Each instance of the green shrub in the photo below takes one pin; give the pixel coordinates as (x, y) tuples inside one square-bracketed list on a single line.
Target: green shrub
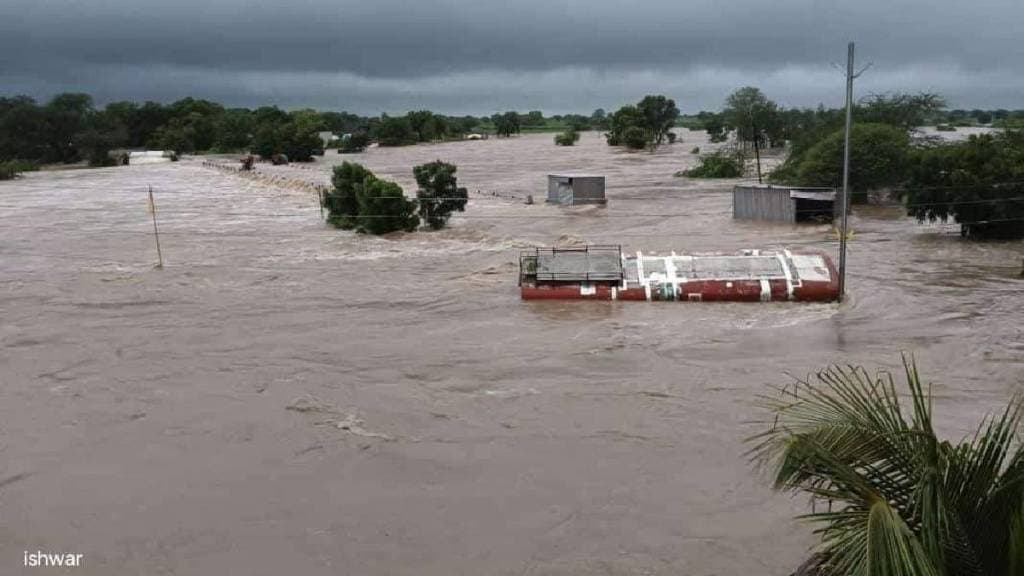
[(720, 164), (12, 168), (696, 150), (567, 138), (8, 171), (439, 194)]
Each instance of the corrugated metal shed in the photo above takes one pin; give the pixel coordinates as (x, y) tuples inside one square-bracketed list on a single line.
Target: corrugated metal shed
[(576, 189), (782, 203)]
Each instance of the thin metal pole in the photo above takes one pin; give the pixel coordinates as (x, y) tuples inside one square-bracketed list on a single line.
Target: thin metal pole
[(156, 232), (757, 152), (846, 173)]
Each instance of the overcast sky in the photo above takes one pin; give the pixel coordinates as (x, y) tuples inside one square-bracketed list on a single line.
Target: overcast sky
[(482, 56)]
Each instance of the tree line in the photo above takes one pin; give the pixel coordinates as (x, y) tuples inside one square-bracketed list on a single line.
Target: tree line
[(70, 128), (976, 182)]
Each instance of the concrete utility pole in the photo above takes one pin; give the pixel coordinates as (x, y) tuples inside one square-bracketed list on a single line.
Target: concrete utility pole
[(850, 77)]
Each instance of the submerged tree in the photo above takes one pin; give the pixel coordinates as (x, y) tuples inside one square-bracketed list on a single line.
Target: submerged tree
[(361, 202), (753, 116), (878, 158), (395, 131), (506, 124), (645, 124), (907, 111), (977, 183), (383, 208), (620, 122), (439, 193), (342, 201), (892, 498), (659, 115)]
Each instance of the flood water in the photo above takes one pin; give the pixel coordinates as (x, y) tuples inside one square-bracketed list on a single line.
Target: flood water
[(285, 398)]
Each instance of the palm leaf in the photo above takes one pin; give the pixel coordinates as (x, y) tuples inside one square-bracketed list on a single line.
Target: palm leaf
[(906, 504)]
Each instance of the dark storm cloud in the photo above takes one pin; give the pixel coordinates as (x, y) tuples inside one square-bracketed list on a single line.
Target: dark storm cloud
[(483, 55)]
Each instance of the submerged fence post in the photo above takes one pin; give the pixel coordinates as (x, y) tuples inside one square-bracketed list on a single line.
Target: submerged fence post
[(156, 232)]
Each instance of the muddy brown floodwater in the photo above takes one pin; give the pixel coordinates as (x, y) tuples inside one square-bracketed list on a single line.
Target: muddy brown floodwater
[(285, 398)]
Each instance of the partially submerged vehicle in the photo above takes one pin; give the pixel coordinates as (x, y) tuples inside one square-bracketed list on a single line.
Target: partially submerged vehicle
[(605, 273)]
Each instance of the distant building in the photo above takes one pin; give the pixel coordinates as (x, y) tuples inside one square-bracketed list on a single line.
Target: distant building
[(575, 189), (327, 137), (783, 203)]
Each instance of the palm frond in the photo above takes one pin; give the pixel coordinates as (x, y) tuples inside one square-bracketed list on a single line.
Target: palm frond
[(893, 550), (905, 503)]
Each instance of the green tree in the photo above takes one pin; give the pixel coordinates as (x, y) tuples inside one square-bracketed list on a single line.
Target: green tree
[(977, 183), (893, 498), (623, 119), (635, 137), (298, 143), (425, 125), (269, 115), (343, 122), (879, 157), (179, 135), (307, 120), (714, 126), (301, 142), (752, 115), (983, 117), (67, 117), (659, 116), (646, 124), (464, 125), (342, 201), (150, 117), (234, 130), (532, 118), (24, 131), (506, 124), (267, 141), (395, 131), (906, 111), (201, 117), (383, 208), (439, 193)]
